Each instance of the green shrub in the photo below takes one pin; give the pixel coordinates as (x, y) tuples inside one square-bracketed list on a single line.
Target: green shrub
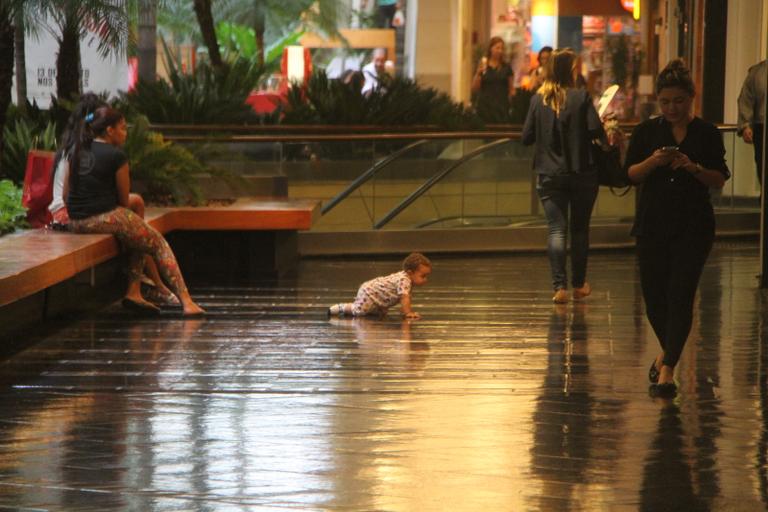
[(239, 42), (12, 214), (401, 102), (205, 96), (166, 170), (18, 139)]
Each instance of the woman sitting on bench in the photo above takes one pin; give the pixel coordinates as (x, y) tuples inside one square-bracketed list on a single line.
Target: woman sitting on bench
[(97, 192), (153, 287)]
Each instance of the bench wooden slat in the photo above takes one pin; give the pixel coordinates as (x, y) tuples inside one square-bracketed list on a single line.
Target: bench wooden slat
[(31, 261), (243, 214), (34, 260)]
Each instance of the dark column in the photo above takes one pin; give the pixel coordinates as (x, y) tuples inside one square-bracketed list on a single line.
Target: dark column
[(764, 211), (713, 87)]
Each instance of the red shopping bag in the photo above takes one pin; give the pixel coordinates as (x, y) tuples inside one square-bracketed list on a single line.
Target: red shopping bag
[(38, 187)]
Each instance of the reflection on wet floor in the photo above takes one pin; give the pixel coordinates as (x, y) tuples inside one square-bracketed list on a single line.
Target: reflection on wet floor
[(495, 400)]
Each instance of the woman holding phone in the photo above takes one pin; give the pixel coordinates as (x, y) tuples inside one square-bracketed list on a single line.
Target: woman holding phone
[(493, 84), (677, 157)]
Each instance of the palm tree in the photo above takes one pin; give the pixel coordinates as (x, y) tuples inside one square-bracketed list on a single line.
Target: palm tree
[(321, 16), (71, 21), (8, 10), (147, 40), (20, 60), (177, 23), (205, 19)]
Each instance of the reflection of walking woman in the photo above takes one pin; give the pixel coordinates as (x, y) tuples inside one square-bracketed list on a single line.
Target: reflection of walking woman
[(494, 84), (97, 200), (562, 121), (677, 157)]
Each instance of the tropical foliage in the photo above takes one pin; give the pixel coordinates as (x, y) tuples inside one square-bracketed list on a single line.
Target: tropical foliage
[(239, 41), (399, 102), (165, 170), (205, 96), (18, 139), (12, 213), (273, 20), (104, 22)]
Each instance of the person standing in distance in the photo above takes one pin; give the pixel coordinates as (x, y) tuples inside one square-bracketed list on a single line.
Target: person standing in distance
[(494, 84), (752, 111)]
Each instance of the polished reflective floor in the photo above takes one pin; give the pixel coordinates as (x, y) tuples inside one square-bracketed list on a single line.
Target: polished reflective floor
[(496, 400)]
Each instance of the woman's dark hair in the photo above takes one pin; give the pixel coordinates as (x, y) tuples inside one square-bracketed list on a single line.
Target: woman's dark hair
[(676, 74), (544, 49), (493, 42), (89, 103), (94, 124)]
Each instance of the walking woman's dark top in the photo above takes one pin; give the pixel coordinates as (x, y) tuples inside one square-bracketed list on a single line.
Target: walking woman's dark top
[(674, 201), (562, 142)]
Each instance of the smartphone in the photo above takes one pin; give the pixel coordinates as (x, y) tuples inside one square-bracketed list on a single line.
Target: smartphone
[(670, 148)]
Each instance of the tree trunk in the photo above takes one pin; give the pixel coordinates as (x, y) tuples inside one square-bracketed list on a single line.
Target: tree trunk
[(68, 63), (147, 43), (21, 64), (6, 69), (205, 19), (259, 27)]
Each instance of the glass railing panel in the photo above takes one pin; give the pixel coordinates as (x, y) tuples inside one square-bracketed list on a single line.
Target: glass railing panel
[(321, 170), (405, 175), (493, 189)]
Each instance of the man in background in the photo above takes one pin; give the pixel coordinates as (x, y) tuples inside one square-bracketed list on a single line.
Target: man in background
[(375, 70), (752, 111)]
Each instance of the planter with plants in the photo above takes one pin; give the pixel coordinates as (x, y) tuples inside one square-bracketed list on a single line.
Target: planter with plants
[(12, 213)]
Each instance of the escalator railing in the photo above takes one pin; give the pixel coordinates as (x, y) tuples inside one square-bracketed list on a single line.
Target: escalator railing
[(368, 174), (436, 178)]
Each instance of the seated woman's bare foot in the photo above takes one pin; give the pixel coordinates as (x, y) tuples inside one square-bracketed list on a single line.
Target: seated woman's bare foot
[(136, 303), (192, 309)]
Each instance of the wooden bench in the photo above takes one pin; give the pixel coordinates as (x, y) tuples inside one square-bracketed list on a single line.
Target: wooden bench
[(34, 260)]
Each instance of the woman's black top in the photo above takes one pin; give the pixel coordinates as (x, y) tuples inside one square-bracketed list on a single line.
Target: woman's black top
[(563, 142), (95, 189), (493, 96), (674, 201)]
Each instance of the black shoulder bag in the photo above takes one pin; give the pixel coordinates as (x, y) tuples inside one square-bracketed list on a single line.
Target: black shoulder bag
[(610, 172)]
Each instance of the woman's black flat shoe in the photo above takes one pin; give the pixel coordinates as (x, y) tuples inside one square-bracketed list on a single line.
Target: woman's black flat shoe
[(666, 390), (653, 373)]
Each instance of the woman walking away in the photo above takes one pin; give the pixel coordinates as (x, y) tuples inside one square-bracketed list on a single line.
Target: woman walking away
[(677, 157), (562, 122), (97, 190)]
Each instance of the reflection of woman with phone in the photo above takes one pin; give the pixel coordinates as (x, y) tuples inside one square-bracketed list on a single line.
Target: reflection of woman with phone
[(494, 84), (677, 157)]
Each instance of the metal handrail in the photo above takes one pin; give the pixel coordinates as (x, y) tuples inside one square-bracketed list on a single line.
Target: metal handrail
[(343, 137), (405, 203), (367, 175)]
